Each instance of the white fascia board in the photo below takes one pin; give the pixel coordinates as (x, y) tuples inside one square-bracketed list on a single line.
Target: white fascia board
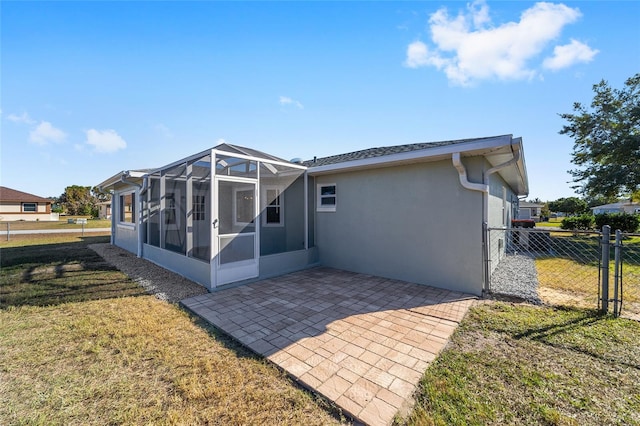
[(480, 146)]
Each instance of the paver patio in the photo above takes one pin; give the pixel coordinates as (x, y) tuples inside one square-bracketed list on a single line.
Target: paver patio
[(359, 340)]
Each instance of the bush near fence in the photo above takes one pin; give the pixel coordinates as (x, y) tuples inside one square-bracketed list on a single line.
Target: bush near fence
[(625, 222)]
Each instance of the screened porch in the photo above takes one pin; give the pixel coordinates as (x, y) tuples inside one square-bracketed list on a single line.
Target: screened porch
[(223, 210)]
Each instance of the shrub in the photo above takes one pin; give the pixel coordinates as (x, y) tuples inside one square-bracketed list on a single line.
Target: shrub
[(582, 222), (623, 221)]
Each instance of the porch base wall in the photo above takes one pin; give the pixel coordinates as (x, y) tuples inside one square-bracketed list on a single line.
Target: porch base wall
[(193, 269), (284, 263)]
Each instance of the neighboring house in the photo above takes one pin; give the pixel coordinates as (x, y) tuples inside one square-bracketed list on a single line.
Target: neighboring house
[(530, 210), (18, 205), (104, 209), (620, 207), (410, 212)]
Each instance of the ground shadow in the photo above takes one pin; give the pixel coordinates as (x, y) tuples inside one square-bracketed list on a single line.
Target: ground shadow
[(55, 273)]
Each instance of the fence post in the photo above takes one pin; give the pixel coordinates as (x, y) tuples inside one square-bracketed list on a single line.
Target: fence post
[(485, 256), (617, 278), (606, 232)]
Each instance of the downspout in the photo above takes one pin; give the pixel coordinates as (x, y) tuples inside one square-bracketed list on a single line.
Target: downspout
[(142, 188), (484, 188)]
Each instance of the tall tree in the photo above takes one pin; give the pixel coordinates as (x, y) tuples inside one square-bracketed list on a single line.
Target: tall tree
[(569, 205), (606, 138), (77, 200)]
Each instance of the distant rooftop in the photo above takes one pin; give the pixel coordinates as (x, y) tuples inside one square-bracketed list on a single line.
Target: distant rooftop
[(8, 194)]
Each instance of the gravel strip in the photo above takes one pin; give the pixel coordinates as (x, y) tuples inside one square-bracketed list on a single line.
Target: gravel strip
[(516, 275), (160, 282)]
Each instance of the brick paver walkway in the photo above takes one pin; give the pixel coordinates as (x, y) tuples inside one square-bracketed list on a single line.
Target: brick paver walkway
[(361, 341)]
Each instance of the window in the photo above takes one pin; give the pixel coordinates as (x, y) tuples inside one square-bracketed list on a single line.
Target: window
[(273, 211), (327, 197), (29, 207), (198, 207), (243, 207), (127, 208), (170, 217)]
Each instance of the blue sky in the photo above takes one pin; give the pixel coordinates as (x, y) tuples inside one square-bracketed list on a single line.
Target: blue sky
[(92, 88)]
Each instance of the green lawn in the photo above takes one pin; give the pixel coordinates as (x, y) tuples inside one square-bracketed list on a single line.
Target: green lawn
[(60, 224), (525, 365), (80, 343)]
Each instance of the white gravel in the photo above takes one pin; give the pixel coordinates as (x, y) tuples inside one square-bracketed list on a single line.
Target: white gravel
[(162, 283), (516, 276)]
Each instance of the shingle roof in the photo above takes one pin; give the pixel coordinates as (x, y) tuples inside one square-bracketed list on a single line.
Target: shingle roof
[(382, 151), (8, 194)]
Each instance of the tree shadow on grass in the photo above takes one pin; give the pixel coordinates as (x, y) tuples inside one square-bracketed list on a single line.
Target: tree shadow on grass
[(52, 274), (584, 325)]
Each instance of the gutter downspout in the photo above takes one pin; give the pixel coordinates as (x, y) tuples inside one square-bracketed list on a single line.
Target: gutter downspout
[(484, 188), (141, 190)]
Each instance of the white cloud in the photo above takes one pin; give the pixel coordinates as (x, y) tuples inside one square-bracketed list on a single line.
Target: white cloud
[(569, 54), (22, 118), (284, 100), (467, 48), (45, 133), (105, 140)]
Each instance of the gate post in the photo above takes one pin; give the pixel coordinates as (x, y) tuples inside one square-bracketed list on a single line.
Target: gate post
[(606, 232), (485, 257), (617, 283)]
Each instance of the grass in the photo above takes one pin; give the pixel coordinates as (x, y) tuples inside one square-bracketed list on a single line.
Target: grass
[(81, 344), (521, 364), (60, 224)]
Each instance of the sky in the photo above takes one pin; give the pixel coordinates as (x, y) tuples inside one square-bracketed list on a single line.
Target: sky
[(88, 89)]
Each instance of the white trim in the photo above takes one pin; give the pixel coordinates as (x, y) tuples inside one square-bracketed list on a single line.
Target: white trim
[(134, 214), (234, 205), (265, 206), (319, 197)]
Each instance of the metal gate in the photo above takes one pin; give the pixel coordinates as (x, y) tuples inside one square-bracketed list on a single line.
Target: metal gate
[(567, 268)]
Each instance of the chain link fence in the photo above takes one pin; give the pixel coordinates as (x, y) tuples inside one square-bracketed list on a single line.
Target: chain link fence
[(564, 268)]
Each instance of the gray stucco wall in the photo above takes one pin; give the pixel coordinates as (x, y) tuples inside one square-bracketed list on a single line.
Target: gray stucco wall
[(414, 223)]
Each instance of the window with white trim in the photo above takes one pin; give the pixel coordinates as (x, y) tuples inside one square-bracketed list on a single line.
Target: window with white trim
[(327, 197), (198, 207), (273, 206), (29, 207), (127, 210)]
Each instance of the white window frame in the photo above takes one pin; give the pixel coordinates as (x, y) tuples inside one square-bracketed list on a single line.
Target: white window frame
[(199, 207), (35, 208), (319, 197), (134, 208), (235, 207), (266, 205)]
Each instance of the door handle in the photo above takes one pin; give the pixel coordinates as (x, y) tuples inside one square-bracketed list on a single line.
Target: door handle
[(215, 223)]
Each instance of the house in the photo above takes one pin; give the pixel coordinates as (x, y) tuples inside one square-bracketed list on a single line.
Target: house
[(104, 209), (412, 212), (529, 210), (619, 207), (17, 205)]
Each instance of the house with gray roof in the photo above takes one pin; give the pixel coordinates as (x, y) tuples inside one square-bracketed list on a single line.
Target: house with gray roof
[(412, 212)]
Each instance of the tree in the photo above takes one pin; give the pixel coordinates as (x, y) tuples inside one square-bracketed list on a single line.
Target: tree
[(606, 138), (569, 205), (77, 200)]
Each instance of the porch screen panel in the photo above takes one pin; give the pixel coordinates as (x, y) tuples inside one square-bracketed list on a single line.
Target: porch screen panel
[(153, 211), (237, 221), (281, 209), (200, 211), (174, 213)]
